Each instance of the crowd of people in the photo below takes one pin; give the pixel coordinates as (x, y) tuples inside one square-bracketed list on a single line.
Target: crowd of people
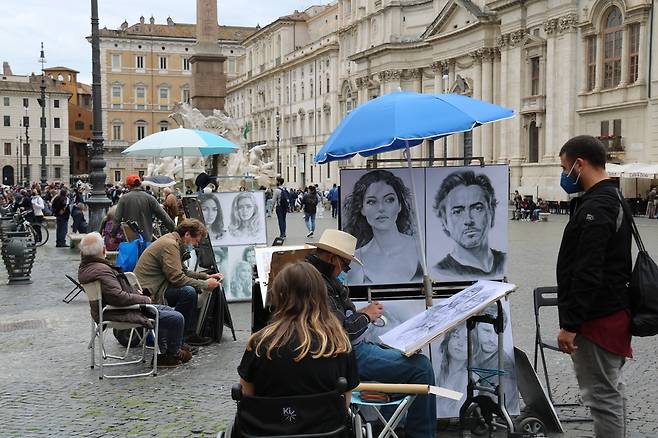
[(525, 207)]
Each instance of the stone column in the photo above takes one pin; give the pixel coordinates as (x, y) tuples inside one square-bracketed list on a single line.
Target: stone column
[(625, 49), (477, 94), (502, 42), (208, 87), (644, 53), (598, 83), (550, 83), (487, 96), (497, 100)]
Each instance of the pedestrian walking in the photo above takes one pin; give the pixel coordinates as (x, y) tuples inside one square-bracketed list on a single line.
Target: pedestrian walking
[(281, 204), (61, 211), (593, 271), (37, 212), (310, 205), (139, 206), (333, 198)]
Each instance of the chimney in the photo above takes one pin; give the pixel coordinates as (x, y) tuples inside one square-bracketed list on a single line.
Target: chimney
[(6, 69)]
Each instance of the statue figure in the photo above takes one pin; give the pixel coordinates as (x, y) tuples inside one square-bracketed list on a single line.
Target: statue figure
[(243, 163)]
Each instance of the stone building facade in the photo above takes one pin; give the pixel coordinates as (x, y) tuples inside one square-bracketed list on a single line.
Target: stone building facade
[(19, 108), (145, 71), (565, 67), (80, 118)]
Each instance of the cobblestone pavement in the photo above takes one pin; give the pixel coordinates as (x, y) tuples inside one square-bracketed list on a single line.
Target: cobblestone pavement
[(48, 389)]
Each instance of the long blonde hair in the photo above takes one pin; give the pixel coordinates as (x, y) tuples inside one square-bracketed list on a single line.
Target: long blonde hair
[(302, 315)]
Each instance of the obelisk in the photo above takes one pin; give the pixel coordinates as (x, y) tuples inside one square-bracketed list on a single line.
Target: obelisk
[(208, 89)]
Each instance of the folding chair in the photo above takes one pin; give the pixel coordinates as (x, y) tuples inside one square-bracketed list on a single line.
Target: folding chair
[(401, 407), (74, 292), (93, 292), (545, 297), (303, 416)]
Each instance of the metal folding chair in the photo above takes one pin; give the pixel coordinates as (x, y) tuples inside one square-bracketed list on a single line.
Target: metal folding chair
[(74, 292), (93, 292), (546, 297), (402, 405)]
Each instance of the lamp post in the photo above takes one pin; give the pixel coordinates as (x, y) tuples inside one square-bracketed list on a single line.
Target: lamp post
[(98, 201), (42, 102), (277, 120), (27, 151), (445, 79)]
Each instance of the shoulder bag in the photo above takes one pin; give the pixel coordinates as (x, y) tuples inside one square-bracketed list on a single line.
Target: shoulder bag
[(643, 288)]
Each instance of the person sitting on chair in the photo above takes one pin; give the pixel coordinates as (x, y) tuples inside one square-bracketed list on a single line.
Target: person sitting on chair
[(117, 291), (303, 350), (160, 269), (335, 251)]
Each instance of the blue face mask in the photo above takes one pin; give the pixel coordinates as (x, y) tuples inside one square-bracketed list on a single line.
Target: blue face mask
[(568, 184), (190, 247), (342, 277)]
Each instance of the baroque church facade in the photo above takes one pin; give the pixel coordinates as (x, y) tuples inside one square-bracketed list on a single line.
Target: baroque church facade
[(565, 67)]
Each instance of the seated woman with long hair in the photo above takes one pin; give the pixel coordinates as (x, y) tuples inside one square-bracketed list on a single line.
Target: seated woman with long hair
[(304, 349)]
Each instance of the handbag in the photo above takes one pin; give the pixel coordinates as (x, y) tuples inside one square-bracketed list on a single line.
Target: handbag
[(643, 288), (129, 253)]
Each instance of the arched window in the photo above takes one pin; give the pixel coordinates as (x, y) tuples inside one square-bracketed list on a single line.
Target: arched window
[(533, 143), (612, 42)]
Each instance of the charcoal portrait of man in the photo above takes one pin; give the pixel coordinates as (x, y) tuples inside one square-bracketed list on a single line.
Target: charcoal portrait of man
[(465, 205)]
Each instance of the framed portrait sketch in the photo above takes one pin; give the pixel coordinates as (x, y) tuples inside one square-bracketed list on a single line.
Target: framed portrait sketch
[(234, 218), (237, 264), (377, 209), (449, 362), (466, 216)]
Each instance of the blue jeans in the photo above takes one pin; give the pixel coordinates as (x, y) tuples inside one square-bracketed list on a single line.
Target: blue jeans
[(388, 365), (62, 228), (281, 217), (184, 300), (170, 333), (334, 208), (309, 220)]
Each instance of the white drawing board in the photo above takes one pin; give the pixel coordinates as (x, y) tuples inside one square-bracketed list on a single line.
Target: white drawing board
[(234, 218), (423, 328)]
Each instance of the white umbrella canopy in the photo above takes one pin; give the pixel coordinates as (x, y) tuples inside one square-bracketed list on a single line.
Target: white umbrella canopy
[(614, 170), (638, 170), (181, 142)]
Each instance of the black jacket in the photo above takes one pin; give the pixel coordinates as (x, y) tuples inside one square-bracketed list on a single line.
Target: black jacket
[(594, 263), (355, 323)]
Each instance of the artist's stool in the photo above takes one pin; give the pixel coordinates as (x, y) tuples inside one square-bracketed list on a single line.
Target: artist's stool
[(402, 404)]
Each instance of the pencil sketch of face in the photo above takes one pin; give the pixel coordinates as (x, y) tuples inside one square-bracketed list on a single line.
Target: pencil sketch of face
[(457, 347), (209, 210), (381, 206), (465, 205)]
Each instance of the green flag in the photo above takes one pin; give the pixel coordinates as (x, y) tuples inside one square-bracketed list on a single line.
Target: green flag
[(246, 130)]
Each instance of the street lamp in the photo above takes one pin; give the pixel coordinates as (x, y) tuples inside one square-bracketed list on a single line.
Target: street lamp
[(445, 79), (98, 201), (277, 120), (42, 102), (27, 151)]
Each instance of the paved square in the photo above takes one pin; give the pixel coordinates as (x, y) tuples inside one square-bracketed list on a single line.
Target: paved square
[(47, 388)]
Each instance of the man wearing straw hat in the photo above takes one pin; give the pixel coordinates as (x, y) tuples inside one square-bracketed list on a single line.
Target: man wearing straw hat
[(334, 254)]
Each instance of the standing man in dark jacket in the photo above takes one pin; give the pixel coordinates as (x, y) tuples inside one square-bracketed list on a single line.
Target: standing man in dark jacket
[(139, 206), (593, 271), (60, 207), (376, 363)]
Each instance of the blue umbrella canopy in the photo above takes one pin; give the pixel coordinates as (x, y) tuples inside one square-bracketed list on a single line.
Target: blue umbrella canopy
[(181, 142), (403, 119)]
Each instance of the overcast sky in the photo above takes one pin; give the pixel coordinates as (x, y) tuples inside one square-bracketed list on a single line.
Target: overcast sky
[(63, 25)]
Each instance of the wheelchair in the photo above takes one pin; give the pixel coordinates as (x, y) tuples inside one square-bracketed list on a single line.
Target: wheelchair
[(323, 415)]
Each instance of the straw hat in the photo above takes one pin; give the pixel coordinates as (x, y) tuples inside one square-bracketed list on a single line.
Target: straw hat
[(338, 242)]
